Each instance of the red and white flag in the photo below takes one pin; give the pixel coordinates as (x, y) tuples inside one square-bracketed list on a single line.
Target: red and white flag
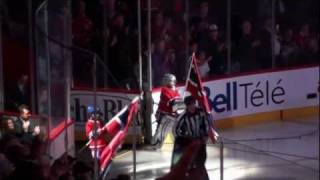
[(119, 121), (194, 85), (118, 129), (195, 88)]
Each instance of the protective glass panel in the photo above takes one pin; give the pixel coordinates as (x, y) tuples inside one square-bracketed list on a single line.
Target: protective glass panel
[(208, 36), (297, 34), (168, 38), (251, 33), (52, 65)]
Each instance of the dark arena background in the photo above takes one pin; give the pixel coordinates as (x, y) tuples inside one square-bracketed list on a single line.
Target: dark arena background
[(79, 74)]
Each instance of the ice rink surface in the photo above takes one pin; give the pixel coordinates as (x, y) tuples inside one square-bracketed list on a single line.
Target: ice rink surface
[(286, 150)]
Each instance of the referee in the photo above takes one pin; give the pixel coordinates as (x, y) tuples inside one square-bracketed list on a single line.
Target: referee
[(192, 125)]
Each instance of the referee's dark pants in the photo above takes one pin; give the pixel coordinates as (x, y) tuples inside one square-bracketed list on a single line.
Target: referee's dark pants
[(181, 144)]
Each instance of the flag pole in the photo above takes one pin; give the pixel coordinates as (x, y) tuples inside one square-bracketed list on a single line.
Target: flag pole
[(134, 148), (140, 87), (212, 132), (189, 71), (95, 156)]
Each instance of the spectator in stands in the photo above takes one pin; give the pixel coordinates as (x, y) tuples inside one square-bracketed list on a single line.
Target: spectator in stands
[(7, 140), (194, 47), (43, 101), (265, 48), (82, 171), (19, 155), (82, 27), (15, 19), (307, 42), (155, 4), (247, 48), (311, 54), (178, 42), (21, 162), (158, 26), (6, 167), (32, 163), (173, 6), (110, 7), (200, 22), (302, 38), (276, 41), (215, 49), (20, 93), (62, 168), (26, 129), (170, 33), (202, 61), (159, 61), (7, 127), (120, 51), (162, 28), (170, 62), (289, 49)]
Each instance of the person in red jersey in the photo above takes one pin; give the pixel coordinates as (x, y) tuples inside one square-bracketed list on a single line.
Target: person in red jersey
[(97, 140), (170, 102)]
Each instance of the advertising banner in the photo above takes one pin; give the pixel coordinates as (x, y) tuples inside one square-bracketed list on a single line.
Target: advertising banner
[(110, 103), (228, 97)]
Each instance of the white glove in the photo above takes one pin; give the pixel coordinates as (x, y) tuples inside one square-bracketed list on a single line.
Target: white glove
[(94, 136), (36, 130)]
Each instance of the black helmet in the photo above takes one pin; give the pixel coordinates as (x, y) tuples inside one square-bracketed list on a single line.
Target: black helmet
[(91, 111), (189, 100)]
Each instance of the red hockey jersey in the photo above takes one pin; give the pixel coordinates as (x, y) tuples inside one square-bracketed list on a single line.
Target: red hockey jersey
[(101, 142), (167, 96)]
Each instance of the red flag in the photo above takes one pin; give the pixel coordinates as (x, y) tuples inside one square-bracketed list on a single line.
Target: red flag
[(119, 121), (110, 150), (194, 86), (125, 117)]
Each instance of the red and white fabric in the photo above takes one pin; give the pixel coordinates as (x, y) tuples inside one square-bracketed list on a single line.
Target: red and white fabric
[(195, 88)]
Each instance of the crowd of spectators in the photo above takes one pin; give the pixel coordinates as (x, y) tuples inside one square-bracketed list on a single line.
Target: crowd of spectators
[(19, 94), (109, 29), (24, 153), (252, 45)]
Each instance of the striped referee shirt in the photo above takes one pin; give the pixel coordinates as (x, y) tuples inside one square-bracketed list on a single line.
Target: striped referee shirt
[(192, 124)]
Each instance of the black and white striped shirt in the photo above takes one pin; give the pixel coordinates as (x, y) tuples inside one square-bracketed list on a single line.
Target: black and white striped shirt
[(192, 124)]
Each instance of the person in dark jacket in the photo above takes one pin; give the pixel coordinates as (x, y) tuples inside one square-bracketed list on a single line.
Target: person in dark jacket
[(24, 128)]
